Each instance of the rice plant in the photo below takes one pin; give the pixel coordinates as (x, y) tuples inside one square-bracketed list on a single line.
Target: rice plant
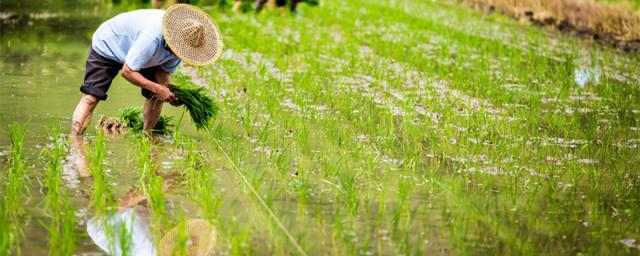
[(102, 195), (152, 184), (62, 226), (14, 189), (132, 117)]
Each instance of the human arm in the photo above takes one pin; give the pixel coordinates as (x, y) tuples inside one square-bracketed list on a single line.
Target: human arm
[(141, 51), (161, 89)]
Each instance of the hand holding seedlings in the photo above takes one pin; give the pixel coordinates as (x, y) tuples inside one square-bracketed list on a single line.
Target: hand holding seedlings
[(201, 107)]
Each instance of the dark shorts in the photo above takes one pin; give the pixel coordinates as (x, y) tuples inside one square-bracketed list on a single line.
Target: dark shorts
[(101, 71)]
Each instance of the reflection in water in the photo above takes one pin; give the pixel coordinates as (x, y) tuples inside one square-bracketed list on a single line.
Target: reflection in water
[(127, 229), (125, 232), (586, 73)]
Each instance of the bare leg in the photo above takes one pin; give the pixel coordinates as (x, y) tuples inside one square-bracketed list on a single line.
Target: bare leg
[(151, 113), (82, 114), (153, 107), (81, 117)]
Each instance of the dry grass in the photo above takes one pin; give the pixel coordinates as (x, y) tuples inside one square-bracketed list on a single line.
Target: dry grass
[(615, 22)]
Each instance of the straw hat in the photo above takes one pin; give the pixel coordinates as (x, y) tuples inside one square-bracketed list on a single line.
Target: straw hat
[(202, 238), (191, 34)]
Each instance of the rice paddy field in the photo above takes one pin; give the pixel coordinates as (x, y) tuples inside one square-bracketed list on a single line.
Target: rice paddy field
[(356, 128)]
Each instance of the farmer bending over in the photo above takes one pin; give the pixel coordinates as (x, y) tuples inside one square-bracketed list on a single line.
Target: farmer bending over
[(147, 45)]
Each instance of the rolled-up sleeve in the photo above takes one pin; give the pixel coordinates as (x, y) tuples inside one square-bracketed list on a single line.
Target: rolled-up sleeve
[(171, 65), (141, 52)]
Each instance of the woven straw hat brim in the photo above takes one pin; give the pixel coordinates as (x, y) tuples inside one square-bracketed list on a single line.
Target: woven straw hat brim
[(179, 16), (202, 237)]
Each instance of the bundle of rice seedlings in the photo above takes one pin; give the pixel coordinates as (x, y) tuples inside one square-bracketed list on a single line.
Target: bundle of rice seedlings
[(132, 118), (202, 108), (164, 125)]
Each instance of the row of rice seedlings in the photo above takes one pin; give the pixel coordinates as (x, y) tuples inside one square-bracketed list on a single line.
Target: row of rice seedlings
[(350, 192), (108, 218), (512, 187), (350, 196), (152, 184), (102, 195), (103, 203), (417, 135), (14, 193), (198, 181), (182, 237), (155, 193), (62, 226)]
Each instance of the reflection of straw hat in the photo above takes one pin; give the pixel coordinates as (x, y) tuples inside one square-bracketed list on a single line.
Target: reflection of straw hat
[(202, 238), (191, 34)]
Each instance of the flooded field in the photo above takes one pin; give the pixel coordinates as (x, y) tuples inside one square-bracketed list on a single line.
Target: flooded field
[(358, 128)]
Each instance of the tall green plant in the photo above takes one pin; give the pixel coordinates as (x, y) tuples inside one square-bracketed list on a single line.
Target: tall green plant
[(14, 190), (102, 194), (62, 232)]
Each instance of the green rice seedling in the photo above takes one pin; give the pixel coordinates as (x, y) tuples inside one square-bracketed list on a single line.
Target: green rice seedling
[(14, 192), (125, 235), (62, 231), (198, 182), (202, 108), (153, 188), (164, 126), (8, 233), (132, 117), (102, 196), (182, 236), (147, 166), (152, 184)]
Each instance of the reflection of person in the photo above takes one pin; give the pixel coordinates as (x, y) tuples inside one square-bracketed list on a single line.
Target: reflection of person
[(78, 156), (147, 45), (132, 220), (133, 217)]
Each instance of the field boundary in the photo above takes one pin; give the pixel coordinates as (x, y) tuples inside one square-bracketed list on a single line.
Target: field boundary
[(615, 24)]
